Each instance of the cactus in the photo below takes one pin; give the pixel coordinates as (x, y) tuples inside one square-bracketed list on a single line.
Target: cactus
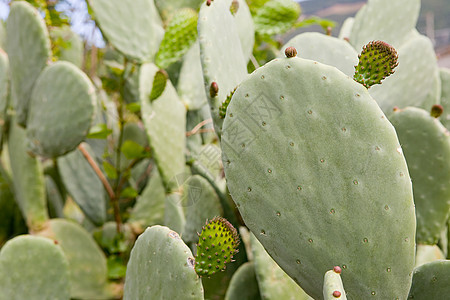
[(4, 89), (430, 281), (173, 212), (54, 198), (276, 16), (325, 49), (33, 268), (28, 47), (426, 157), (52, 129), (243, 284), (246, 28), (222, 58), (299, 204), (346, 29), (383, 20), (428, 253), (332, 285), (83, 184), (445, 96), (135, 34), (68, 45), (168, 8), (161, 266), (216, 246)]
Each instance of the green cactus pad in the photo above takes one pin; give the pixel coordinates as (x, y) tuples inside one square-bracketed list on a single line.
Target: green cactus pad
[(28, 179), (4, 88), (402, 89), (2, 35), (54, 199), (346, 29), (83, 184), (33, 268), (52, 129), (173, 212), (216, 246), (28, 47), (68, 45), (428, 253), (332, 285), (181, 34), (325, 49), (166, 114), (135, 30), (246, 28), (273, 282), (161, 266), (201, 203), (384, 20), (87, 263), (426, 146), (315, 169), (431, 281), (221, 54), (243, 284), (168, 8), (276, 16), (445, 96)]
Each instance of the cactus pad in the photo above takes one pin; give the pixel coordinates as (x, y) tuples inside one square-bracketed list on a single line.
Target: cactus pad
[(376, 62), (243, 284), (276, 16), (445, 96), (314, 166), (4, 87), (216, 246), (431, 281)]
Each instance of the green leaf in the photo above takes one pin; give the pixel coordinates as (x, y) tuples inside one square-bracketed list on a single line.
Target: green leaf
[(132, 150), (110, 170), (99, 131), (129, 192), (276, 17), (159, 84), (116, 267), (325, 23), (181, 33)]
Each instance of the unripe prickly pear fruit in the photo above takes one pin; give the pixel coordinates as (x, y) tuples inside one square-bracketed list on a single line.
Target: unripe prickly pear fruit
[(217, 244), (376, 62), (290, 52), (213, 89)]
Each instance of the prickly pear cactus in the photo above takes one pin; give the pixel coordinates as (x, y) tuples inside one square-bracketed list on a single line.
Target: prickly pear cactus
[(28, 47), (161, 266), (430, 281), (314, 166), (276, 16), (445, 96), (4, 86), (325, 49), (246, 28), (427, 253), (243, 284), (346, 29), (426, 146), (332, 285), (33, 268), (216, 246), (52, 129), (68, 45)]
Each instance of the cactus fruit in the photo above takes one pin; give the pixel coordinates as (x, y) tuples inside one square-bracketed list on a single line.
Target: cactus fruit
[(33, 268), (332, 285), (376, 62), (431, 281), (243, 284), (132, 32), (384, 20), (436, 111), (276, 16), (290, 52), (325, 49), (161, 266), (426, 146), (52, 129), (28, 47), (308, 205), (216, 246)]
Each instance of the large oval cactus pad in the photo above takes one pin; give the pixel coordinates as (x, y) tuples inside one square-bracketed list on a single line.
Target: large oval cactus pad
[(61, 110), (316, 170)]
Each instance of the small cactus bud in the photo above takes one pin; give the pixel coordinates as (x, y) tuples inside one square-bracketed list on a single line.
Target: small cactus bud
[(336, 294), (329, 28), (208, 2), (436, 111), (213, 89), (290, 52), (337, 269), (376, 62), (234, 7)]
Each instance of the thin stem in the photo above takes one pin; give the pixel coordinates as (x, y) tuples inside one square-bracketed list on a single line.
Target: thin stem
[(254, 61), (198, 126)]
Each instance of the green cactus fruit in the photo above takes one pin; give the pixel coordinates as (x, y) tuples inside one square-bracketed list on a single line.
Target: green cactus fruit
[(431, 281), (201, 203), (159, 84), (166, 114), (386, 21), (325, 49), (52, 129), (332, 285), (181, 34), (67, 45), (428, 253), (376, 62), (273, 282), (341, 177), (404, 89), (445, 96), (132, 32), (161, 266), (426, 146), (174, 212), (346, 29), (243, 284), (223, 61), (28, 47), (33, 268), (216, 246), (83, 184), (246, 28), (28, 179), (223, 107), (276, 17)]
